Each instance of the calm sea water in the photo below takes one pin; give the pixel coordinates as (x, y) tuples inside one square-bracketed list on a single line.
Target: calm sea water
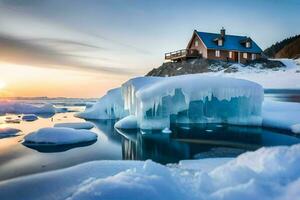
[(185, 142)]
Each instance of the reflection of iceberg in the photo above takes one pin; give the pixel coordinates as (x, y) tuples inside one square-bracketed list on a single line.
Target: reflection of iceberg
[(188, 142), (157, 102)]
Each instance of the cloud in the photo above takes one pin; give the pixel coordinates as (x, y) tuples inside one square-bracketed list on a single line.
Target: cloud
[(19, 51)]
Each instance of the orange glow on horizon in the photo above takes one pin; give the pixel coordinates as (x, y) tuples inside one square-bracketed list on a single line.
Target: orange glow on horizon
[(27, 81)]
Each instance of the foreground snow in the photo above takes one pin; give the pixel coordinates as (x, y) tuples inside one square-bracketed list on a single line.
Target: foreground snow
[(75, 125), (24, 108), (59, 136), (268, 173)]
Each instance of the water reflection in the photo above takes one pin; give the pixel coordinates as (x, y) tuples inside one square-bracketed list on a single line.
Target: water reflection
[(57, 148), (199, 141)]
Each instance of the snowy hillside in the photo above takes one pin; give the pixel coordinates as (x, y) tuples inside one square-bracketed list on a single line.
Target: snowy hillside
[(279, 73)]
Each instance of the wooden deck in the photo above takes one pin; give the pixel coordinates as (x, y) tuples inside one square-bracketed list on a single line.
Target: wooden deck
[(182, 54)]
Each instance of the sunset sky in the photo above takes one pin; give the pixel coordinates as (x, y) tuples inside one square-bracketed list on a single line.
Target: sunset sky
[(83, 48)]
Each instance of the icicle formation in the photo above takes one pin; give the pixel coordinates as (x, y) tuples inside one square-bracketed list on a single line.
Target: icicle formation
[(110, 106), (157, 102)]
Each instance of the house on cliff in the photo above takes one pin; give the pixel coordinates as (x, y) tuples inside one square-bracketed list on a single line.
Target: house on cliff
[(218, 46)]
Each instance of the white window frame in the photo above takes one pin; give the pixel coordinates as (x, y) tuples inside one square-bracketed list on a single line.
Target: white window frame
[(220, 42), (245, 55), (230, 55), (217, 53), (196, 43), (248, 45), (253, 56)]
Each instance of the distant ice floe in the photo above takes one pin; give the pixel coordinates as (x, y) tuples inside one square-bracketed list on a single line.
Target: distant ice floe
[(29, 117), (268, 173), (24, 108), (76, 125), (59, 136), (8, 132)]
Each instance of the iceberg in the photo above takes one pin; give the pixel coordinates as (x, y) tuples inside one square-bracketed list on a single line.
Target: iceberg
[(157, 102), (59, 136), (110, 106)]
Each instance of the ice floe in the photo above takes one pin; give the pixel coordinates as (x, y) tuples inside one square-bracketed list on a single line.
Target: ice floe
[(76, 125), (8, 132), (281, 115), (59, 136), (24, 108), (129, 122), (29, 117)]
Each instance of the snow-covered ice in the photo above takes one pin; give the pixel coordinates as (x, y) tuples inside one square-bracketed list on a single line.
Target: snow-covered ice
[(29, 117), (76, 125), (59, 136), (268, 173), (129, 122), (8, 132), (24, 108), (110, 106), (282, 115), (156, 102)]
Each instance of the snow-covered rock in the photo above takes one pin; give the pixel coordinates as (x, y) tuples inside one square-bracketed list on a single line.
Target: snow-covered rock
[(76, 125), (110, 106), (59, 136), (129, 122), (8, 132), (29, 117), (195, 98), (268, 173), (24, 108), (281, 115)]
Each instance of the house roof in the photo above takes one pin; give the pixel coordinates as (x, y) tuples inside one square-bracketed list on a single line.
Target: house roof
[(231, 42)]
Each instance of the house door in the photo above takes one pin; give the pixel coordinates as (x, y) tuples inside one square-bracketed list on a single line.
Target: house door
[(235, 56)]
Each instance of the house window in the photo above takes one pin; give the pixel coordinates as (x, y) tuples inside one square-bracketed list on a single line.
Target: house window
[(253, 56), (245, 55), (230, 54), (247, 44), (196, 43), (220, 42), (217, 53)]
